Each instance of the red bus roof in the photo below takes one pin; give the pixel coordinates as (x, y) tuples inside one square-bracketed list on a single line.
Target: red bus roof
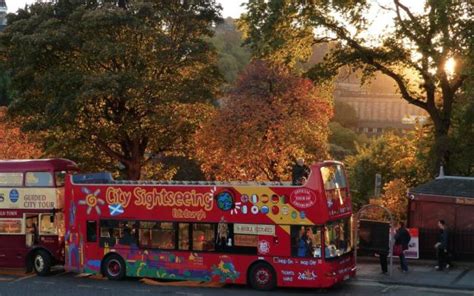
[(53, 164)]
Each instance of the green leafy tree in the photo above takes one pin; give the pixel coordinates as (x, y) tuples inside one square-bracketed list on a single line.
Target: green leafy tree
[(414, 54), (463, 136), (343, 141), (342, 138), (392, 156), (345, 115), (463, 133), (233, 56), (5, 90), (113, 83)]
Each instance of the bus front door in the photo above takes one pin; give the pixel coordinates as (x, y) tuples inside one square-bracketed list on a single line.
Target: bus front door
[(31, 230)]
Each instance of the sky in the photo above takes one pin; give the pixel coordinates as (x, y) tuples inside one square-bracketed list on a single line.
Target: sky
[(230, 7)]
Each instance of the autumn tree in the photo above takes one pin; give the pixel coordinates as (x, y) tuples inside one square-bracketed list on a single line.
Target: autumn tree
[(113, 85), (413, 52), (395, 199), (13, 143), (268, 119)]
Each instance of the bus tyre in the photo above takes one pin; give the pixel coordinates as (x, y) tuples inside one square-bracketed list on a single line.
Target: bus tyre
[(114, 267), (42, 262), (262, 277)]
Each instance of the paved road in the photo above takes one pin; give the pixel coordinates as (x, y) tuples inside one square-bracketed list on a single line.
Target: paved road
[(72, 284)]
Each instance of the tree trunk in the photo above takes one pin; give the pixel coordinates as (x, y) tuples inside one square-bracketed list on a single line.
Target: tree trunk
[(136, 150), (441, 149), (133, 169)]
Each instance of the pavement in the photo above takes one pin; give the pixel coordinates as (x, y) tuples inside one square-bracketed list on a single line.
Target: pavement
[(421, 273)]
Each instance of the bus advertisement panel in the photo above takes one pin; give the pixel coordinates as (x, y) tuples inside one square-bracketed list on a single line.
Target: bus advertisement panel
[(265, 234)]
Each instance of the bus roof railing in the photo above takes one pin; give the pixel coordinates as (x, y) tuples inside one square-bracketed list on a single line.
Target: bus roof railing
[(106, 178), (93, 178)]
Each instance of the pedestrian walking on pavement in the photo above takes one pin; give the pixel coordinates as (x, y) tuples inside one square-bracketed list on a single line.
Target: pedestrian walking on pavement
[(442, 247), (383, 260), (402, 239)]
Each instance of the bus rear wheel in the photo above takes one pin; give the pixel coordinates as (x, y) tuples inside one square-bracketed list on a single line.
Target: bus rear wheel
[(42, 263), (262, 277), (114, 267)]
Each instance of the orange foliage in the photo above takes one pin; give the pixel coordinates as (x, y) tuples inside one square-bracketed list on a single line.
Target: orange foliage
[(269, 118), (13, 143), (395, 199)]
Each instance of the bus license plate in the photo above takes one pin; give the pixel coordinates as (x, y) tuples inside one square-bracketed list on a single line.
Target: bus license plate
[(346, 277)]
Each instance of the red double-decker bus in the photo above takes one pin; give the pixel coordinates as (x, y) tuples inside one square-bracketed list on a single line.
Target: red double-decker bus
[(31, 213), (265, 234)]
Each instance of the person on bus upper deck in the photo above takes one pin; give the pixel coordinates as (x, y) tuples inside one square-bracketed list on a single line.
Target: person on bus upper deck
[(300, 172)]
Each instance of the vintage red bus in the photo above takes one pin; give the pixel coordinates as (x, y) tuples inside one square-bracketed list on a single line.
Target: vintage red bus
[(265, 234), (31, 213)]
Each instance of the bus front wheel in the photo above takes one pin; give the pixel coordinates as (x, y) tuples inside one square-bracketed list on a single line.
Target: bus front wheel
[(42, 263), (114, 267), (262, 277)]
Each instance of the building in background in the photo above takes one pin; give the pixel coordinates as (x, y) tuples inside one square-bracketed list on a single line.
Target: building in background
[(378, 106)]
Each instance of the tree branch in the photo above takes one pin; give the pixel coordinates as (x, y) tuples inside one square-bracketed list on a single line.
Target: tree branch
[(111, 152), (412, 19)]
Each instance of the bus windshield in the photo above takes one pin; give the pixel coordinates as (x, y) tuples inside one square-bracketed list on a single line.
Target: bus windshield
[(333, 177), (338, 238)]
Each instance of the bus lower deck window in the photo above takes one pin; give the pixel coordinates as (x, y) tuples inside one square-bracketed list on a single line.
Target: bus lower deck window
[(203, 237)]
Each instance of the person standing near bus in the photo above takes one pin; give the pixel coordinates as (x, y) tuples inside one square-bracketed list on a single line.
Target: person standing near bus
[(442, 246), (300, 172), (402, 237)]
